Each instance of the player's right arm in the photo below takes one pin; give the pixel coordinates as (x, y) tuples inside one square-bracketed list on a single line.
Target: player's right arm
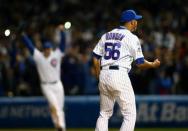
[(97, 55), (34, 51), (96, 63), (28, 43)]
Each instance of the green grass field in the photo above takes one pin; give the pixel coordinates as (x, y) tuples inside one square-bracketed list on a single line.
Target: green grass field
[(140, 129)]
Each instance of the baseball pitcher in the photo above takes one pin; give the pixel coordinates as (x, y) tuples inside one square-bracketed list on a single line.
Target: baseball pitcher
[(113, 56)]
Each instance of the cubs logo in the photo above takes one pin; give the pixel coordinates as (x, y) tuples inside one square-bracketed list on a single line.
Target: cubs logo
[(54, 62)]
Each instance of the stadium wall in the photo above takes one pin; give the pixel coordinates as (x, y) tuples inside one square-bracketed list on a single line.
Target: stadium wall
[(82, 111)]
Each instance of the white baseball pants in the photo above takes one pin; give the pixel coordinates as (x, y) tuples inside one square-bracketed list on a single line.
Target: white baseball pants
[(115, 85), (54, 94)]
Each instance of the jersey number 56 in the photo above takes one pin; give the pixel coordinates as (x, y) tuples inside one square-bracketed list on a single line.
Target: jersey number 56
[(112, 51)]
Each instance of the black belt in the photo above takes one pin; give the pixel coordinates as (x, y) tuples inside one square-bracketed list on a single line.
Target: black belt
[(53, 82), (114, 67)]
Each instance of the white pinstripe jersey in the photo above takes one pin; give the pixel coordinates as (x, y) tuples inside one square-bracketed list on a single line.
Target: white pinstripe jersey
[(48, 68), (119, 47)]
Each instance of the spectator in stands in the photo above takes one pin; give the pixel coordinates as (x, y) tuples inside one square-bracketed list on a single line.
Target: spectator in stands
[(163, 35)]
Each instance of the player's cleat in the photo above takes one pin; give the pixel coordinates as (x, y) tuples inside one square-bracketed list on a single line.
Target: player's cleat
[(60, 129)]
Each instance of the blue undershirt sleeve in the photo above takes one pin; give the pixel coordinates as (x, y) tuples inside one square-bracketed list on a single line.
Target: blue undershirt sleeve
[(62, 42), (96, 56), (28, 43), (139, 61)]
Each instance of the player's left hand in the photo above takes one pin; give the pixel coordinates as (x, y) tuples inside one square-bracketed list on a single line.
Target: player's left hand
[(61, 27), (156, 63)]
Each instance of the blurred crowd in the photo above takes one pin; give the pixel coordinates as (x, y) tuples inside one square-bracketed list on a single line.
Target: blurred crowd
[(163, 33)]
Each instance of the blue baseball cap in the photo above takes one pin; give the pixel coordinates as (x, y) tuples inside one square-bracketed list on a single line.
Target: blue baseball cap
[(47, 45), (129, 15)]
